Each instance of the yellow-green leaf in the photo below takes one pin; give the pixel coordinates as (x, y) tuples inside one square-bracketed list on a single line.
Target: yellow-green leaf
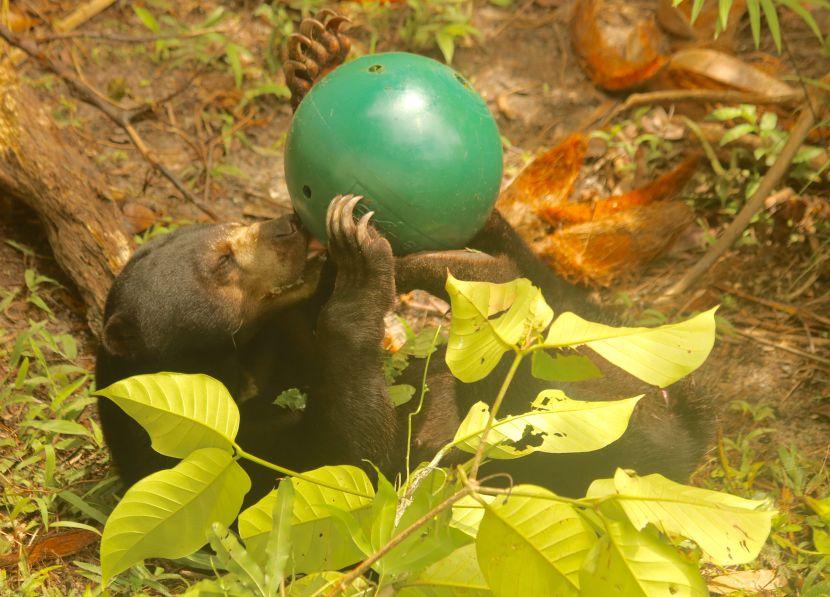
[(318, 540), (637, 564), (557, 425), (728, 529), (530, 545), (181, 412), (458, 574), (169, 514), (489, 320), (659, 356)]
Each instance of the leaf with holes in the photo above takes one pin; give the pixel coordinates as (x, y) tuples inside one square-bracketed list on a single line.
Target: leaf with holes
[(626, 561), (658, 356), (557, 425), (182, 413), (169, 513), (489, 320), (728, 529)]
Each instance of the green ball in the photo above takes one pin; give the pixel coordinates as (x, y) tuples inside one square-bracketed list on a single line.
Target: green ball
[(410, 135)]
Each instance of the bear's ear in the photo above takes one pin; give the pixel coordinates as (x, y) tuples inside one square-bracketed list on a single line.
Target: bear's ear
[(119, 335)]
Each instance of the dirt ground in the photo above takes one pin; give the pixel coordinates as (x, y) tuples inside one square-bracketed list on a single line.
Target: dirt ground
[(525, 68)]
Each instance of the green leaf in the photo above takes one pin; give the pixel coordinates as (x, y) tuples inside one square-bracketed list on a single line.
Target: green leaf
[(563, 367), (147, 19), (771, 15), (384, 507), (446, 43), (318, 539), (456, 574), (698, 4), (557, 425), (278, 546), (807, 153), (182, 413), (490, 319), (769, 120), (532, 545), (169, 513), (806, 16), (728, 529), (821, 540), (292, 399), (754, 10), (736, 132), (637, 563), (61, 426), (213, 17), (820, 507), (400, 394), (232, 54), (319, 583), (468, 512), (434, 540), (724, 6), (659, 356), (236, 560)]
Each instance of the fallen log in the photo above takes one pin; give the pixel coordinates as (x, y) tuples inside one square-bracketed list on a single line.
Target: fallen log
[(48, 171)]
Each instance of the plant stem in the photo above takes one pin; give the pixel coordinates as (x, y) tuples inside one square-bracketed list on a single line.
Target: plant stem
[(553, 497), (755, 203), (289, 473), (395, 541), (494, 412), (417, 411)]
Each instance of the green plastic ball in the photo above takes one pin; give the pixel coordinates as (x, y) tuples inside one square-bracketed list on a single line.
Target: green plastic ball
[(410, 135)]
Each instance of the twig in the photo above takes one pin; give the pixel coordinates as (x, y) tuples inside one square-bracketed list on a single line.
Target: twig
[(124, 39), (795, 351), (77, 17), (698, 95), (82, 14), (356, 572), (120, 117), (778, 306), (753, 205)]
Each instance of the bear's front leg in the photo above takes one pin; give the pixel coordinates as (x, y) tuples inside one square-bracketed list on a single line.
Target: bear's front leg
[(350, 399)]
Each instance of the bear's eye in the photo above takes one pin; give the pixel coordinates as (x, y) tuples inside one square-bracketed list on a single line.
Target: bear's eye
[(226, 259)]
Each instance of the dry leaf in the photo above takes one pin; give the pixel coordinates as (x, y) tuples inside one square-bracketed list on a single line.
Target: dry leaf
[(139, 217), (701, 68), (55, 546), (665, 187), (605, 250), (750, 581), (619, 42)]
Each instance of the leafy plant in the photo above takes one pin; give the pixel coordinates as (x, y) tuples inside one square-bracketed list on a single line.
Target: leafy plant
[(422, 24), (770, 10), (441, 529)]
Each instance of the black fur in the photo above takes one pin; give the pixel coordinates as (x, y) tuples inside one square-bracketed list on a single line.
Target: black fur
[(165, 313)]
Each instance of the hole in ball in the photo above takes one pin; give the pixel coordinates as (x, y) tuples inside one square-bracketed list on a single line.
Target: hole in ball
[(376, 68), (462, 80), (307, 191)]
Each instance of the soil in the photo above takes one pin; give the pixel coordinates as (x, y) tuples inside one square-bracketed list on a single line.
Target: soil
[(526, 70)]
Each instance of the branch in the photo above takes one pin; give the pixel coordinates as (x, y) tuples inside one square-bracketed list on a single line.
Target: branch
[(356, 572), (119, 117), (124, 39), (770, 180), (698, 95)]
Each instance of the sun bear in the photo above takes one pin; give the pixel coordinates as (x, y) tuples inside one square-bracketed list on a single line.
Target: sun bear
[(261, 309)]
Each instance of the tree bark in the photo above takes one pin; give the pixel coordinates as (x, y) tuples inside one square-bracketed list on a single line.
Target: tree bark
[(49, 172)]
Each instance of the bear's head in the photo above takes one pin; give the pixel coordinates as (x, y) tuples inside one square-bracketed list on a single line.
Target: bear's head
[(193, 294)]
